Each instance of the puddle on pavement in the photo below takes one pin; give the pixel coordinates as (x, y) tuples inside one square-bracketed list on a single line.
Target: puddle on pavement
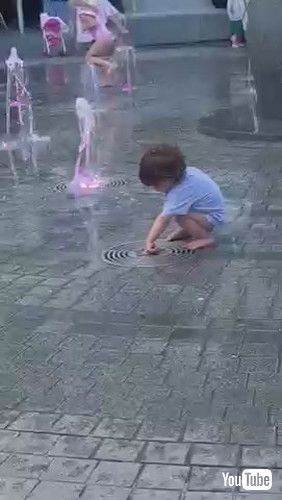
[(254, 111), (240, 124)]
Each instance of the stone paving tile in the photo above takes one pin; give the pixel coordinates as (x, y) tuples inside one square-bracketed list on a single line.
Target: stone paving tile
[(148, 346), (75, 424), (74, 446), (27, 442), (243, 414), (115, 474), (25, 466), (253, 349), (248, 434), (160, 430), (167, 453), (209, 478), (16, 489), (7, 417), (59, 491), (36, 422), (116, 428), (170, 477), (41, 401), (141, 494), (69, 469), (11, 398), (123, 450), (279, 434), (276, 417), (5, 438), (160, 402), (257, 456), (214, 454), (94, 492), (265, 364), (206, 431), (229, 397), (203, 495), (257, 496), (51, 326), (3, 457)]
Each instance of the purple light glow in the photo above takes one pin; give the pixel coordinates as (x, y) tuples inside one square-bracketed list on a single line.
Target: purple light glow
[(128, 88), (91, 184), (86, 183), (15, 104)]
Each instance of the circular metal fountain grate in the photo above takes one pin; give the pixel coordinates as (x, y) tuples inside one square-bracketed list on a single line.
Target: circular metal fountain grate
[(61, 186), (111, 183), (116, 183), (132, 255)]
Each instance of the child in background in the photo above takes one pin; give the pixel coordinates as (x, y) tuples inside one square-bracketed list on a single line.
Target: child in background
[(104, 45), (94, 16), (192, 198), (237, 10)]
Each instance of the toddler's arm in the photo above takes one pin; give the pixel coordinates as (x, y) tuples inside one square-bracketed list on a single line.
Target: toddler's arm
[(158, 227)]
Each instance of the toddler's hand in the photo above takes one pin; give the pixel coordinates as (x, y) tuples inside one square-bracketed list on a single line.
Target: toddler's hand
[(151, 248)]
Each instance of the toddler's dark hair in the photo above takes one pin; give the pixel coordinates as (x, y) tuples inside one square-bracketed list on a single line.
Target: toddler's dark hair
[(162, 162)]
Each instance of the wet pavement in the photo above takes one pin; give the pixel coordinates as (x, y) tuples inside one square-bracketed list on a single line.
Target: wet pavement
[(126, 377)]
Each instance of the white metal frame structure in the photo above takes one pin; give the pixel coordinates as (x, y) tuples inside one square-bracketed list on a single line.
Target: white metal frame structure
[(2, 21), (20, 16)]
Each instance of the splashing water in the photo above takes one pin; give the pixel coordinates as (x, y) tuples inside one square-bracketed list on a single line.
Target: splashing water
[(85, 179), (127, 55), (90, 83), (87, 182), (18, 97)]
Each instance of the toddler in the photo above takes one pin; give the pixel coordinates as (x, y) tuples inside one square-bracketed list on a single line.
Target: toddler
[(192, 198), (94, 16), (103, 47), (237, 10)]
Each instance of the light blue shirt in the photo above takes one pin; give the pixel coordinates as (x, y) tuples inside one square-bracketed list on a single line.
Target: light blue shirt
[(196, 193)]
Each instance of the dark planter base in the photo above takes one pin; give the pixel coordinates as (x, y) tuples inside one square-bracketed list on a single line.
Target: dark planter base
[(118, 5), (220, 4)]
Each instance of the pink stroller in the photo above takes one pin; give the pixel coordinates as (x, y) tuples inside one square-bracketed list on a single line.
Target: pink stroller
[(53, 29)]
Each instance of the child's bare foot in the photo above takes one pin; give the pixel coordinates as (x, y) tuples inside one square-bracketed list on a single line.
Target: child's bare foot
[(197, 244), (178, 235), (105, 83)]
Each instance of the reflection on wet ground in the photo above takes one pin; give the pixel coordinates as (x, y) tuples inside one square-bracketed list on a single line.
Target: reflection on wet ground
[(241, 123), (254, 111)]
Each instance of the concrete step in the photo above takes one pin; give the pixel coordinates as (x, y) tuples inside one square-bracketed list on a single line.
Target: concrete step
[(159, 22)]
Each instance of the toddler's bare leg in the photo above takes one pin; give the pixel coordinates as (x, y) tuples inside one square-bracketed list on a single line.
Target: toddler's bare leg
[(180, 234), (197, 228), (99, 54)]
